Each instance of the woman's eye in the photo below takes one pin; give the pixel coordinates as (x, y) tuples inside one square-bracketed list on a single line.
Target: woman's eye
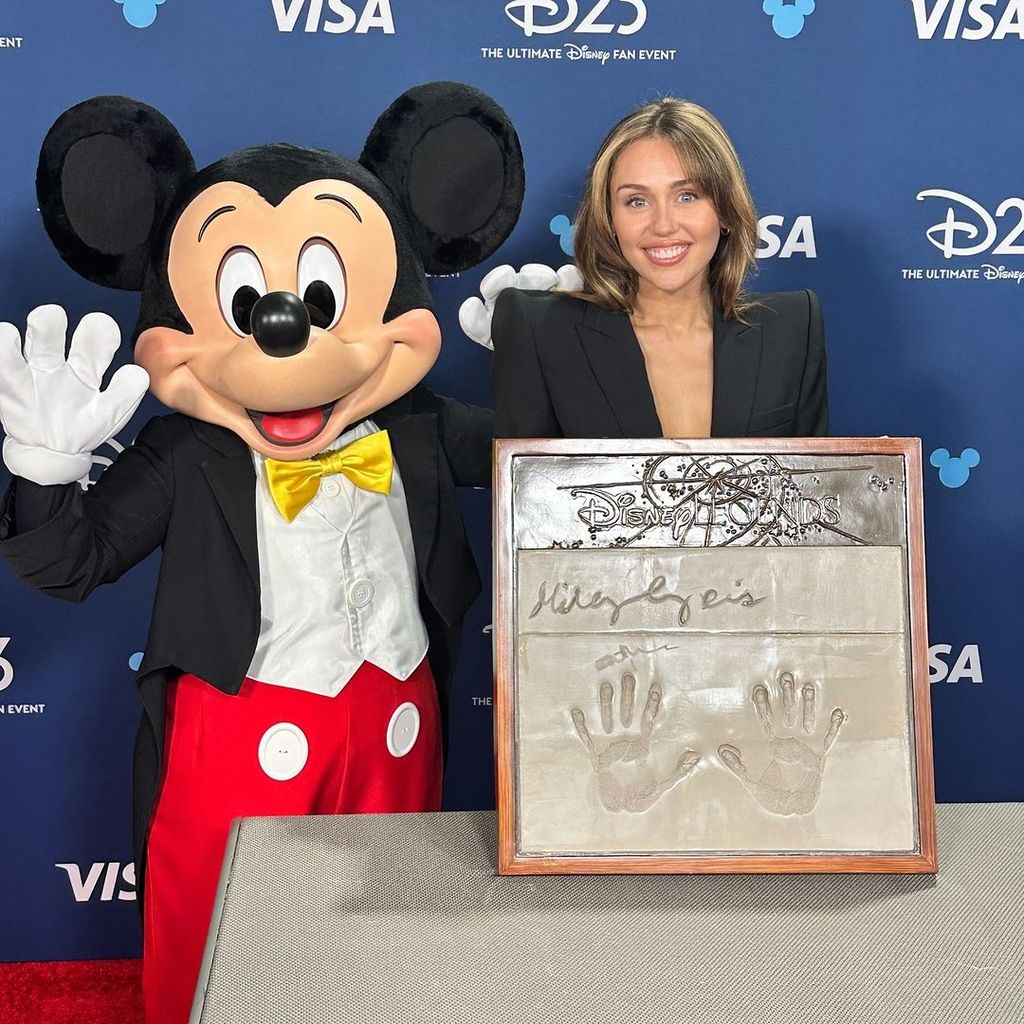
[(322, 283), (636, 201), (688, 197), (240, 285)]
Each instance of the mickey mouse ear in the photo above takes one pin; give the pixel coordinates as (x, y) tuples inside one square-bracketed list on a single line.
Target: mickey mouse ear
[(939, 457), (108, 171), (970, 457), (450, 156)]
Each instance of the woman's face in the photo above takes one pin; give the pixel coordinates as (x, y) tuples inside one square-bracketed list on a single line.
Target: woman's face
[(666, 228)]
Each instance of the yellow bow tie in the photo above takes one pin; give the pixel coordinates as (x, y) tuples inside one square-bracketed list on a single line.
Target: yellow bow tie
[(367, 463)]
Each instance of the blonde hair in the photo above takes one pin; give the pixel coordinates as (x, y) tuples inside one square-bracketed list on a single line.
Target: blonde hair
[(711, 161)]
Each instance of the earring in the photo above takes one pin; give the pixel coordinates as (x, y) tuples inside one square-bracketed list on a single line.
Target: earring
[(725, 231)]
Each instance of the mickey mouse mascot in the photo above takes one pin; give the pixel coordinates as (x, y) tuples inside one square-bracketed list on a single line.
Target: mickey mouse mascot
[(315, 571)]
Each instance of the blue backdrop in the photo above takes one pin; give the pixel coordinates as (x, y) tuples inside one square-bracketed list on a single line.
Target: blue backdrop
[(878, 138)]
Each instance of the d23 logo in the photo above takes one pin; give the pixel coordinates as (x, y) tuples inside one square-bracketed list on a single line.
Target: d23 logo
[(628, 16), (967, 664), (116, 880), (102, 461), (6, 668), (969, 229)]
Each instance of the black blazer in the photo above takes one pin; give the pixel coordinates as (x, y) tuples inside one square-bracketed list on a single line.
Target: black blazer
[(189, 487), (564, 367)]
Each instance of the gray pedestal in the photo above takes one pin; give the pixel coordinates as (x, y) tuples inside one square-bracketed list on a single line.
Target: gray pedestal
[(400, 918)]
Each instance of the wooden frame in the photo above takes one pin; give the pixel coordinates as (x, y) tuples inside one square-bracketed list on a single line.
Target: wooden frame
[(516, 457)]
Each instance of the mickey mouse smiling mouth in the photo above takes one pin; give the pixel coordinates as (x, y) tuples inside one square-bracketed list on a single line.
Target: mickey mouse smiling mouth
[(291, 428)]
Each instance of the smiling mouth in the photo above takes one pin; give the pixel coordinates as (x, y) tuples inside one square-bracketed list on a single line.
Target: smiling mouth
[(666, 255), (288, 429)]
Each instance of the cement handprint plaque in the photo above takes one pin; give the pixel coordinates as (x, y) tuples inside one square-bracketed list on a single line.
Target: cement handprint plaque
[(790, 781), (711, 656), (621, 761)]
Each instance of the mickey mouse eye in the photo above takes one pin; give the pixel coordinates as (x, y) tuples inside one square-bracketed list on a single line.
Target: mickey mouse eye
[(322, 283), (240, 284)]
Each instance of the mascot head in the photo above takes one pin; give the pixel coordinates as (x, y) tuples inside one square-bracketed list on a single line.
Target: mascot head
[(283, 289)]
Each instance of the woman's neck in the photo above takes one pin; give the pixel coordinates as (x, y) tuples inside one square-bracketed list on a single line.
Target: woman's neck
[(682, 311)]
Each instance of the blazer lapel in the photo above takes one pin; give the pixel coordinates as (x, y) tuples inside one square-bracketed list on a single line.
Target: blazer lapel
[(232, 477), (737, 362), (618, 365)]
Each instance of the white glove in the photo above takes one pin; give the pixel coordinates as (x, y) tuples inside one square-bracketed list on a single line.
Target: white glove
[(475, 314), (52, 408)]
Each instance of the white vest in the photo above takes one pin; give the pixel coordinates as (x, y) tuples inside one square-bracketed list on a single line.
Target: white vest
[(338, 584)]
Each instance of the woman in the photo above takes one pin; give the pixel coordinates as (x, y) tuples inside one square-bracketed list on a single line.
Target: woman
[(661, 340)]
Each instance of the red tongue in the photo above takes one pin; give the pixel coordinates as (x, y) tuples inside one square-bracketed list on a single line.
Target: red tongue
[(291, 427)]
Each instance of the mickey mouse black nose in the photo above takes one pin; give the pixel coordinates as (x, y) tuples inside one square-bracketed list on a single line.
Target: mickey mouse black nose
[(280, 324)]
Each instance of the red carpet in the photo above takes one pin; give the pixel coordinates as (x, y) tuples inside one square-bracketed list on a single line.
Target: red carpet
[(71, 992)]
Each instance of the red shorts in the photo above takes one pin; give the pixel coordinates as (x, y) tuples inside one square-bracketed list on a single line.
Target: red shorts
[(376, 747)]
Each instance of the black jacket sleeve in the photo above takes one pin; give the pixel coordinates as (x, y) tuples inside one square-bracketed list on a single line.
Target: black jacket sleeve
[(66, 542), (522, 404), (812, 407), (466, 433)]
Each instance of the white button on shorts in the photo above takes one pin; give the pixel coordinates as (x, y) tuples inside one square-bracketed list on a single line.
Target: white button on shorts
[(403, 729), (360, 594), (283, 751)]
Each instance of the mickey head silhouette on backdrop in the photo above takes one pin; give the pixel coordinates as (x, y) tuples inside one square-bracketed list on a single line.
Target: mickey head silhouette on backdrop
[(564, 230), (788, 18), (140, 13), (954, 471)]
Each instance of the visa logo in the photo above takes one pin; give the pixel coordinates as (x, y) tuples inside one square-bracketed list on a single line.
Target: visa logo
[(966, 666), (338, 18), (84, 885), (986, 19)]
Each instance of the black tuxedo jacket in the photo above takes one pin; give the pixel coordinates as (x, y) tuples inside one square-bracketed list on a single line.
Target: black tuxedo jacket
[(564, 367), (189, 487)]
